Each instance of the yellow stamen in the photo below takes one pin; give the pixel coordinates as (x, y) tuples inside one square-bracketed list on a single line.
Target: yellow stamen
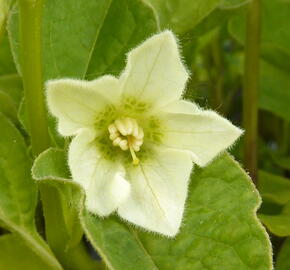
[(134, 157), (128, 135)]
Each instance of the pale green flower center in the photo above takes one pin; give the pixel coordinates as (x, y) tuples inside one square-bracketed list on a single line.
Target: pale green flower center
[(128, 135)]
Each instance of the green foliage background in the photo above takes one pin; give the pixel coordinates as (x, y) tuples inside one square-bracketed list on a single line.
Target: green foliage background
[(86, 39)]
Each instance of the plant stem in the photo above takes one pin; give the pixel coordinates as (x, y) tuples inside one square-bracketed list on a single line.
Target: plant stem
[(250, 93), (31, 67), (30, 45)]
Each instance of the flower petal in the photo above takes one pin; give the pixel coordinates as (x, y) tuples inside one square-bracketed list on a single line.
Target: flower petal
[(76, 103), (154, 71), (204, 134), (102, 180), (181, 106), (158, 192)]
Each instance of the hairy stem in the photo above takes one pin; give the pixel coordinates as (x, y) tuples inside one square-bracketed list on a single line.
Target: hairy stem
[(30, 45), (250, 93)]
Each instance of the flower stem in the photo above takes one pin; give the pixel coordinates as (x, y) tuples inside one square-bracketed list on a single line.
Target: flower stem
[(250, 93), (30, 45)]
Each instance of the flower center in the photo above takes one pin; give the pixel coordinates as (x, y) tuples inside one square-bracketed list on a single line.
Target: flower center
[(128, 135)]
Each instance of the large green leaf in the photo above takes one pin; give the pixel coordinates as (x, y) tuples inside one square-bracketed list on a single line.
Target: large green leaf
[(85, 39), (283, 260), (182, 15), (14, 255), (220, 230), (18, 193)]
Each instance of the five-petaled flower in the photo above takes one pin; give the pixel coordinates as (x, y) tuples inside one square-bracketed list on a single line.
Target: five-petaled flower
[(135, 139)]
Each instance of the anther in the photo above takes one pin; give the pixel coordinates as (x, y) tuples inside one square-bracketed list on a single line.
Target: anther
[(128, 135)]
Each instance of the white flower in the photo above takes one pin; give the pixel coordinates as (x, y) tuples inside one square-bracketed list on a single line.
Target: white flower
[(135, 139)]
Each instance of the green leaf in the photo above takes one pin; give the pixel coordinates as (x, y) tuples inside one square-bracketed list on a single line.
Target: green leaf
[(12, 85), (274, 187), (283, 260), (282, 161), (10, 96), (220, 226), (18, 193), (274, 93), (6, 60), (182, 15), (85, 39), (68, 233), (56, 139), (4, 9), (229, 4), (7, 107), (15, 255), (277, 224), (275, 28)]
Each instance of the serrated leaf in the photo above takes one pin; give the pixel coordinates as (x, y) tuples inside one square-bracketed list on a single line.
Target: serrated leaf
[(283, 260), (15, 255), (18, 193), (220, 226), (85, 39)]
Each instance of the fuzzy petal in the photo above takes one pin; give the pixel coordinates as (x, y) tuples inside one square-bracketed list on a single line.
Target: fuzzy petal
[(103, 181), (154, 71), (204, 134), (76, 103), (158, 192), (181, 106)]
